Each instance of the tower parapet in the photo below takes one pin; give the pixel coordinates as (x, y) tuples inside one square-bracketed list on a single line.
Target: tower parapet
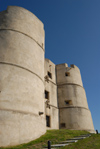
[(23, 21)]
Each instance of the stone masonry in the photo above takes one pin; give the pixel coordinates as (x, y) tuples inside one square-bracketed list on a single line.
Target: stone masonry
[(35, 94)]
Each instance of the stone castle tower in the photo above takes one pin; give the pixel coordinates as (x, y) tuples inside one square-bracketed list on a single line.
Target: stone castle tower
[(35, 94)]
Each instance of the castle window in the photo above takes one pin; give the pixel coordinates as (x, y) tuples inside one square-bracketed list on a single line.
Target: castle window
[(63, 125), (46, 94), (68, 102), (67, 74), (49, 74), (47, 121)]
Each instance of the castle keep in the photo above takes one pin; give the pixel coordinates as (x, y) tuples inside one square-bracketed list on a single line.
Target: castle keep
[(35, 94)]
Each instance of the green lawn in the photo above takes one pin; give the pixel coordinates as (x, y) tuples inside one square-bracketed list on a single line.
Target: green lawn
[(56, 136), (92, 142)]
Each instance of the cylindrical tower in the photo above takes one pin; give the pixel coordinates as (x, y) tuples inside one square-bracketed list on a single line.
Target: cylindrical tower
[(21, 76), (73, 107)]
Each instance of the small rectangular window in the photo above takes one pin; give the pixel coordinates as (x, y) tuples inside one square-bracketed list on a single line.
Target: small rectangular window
[(49, 74), (46, 94), (63, 125), (68, 102), (67, 74), (47, 121)]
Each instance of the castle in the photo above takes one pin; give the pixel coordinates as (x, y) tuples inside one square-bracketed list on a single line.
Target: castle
[(35, 94)]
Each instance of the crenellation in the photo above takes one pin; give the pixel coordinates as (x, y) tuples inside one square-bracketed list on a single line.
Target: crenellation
[(75, 67), (61, 66)]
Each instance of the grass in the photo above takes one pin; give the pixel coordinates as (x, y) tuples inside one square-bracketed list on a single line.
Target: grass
[(92, 142), (55, 136)]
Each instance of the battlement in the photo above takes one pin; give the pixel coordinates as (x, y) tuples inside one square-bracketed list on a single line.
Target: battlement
[(60, 66), (64, 65), (75, 67)]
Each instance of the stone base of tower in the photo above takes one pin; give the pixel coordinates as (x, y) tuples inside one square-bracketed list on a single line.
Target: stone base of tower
[(19, 127), (76, 118), (92, 131)]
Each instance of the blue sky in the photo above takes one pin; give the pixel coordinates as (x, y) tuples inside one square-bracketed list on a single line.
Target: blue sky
[(72, 31)]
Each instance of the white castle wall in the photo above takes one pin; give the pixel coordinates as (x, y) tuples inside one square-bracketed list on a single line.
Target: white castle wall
[(73, 107), (21, 77), (51, 87)]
